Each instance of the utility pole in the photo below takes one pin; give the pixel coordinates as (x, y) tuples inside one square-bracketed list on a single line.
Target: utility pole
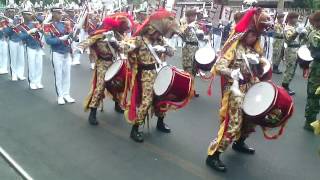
[(280, 7)]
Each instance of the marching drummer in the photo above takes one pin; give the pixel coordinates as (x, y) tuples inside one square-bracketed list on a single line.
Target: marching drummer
[(237, 78), (104, 47), (292, 32), (277, 52), (191, 43), (144, 52), (313, 88)]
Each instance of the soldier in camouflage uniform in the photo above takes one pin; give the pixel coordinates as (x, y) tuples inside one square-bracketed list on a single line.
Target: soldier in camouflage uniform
[(143, 64), (101, 50), (277, 54), (291, 36), (191, 43), (313, 106)]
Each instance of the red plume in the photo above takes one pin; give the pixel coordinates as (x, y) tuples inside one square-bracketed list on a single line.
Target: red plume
[(244, 23), (109, 23)]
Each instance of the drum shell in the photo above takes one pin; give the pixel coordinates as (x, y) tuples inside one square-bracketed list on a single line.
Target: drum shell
[(283, 102), (117, 83), (179, 88), (303, 64), (267, 76), (204, 67)]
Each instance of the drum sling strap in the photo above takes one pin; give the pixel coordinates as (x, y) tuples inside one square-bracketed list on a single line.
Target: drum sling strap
[(154, 54), (113, 52)]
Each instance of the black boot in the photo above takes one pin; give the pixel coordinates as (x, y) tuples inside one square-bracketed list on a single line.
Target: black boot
[(93, 117), (286, 87), (161, 126), (135, 134), (196, 94), (118, 108), (241, 146), (215, 162), (276, 70), (307, 124)]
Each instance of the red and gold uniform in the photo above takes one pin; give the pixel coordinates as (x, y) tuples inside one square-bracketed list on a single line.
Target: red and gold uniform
[(143, 65), (102, 54), (233, 125)]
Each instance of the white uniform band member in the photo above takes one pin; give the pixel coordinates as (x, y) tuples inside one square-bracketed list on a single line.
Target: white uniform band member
[(57, 36)]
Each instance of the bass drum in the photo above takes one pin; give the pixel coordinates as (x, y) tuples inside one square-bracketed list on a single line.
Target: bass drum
[(205, 58), (304, 57), (115, 77), (172, 85), (267, 105)]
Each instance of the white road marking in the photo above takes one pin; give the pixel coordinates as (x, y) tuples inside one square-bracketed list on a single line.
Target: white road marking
[(14, 164)]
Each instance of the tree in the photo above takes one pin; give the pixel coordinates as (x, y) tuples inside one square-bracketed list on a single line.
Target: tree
[(310, 4)]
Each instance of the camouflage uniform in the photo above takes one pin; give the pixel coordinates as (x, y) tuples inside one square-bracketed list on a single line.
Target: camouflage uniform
[(277, 54), (140, 56), (233, 125), (313, 106), (189, 50), (290, 53), (103, 57)]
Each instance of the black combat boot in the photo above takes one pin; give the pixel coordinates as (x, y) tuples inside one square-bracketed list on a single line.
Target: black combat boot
[(276, 70), (241, 146), (161, 126), (307, 124), (93, 117), (215, 162), (135, 134), (286, 87), (118, 108), (196, 94)]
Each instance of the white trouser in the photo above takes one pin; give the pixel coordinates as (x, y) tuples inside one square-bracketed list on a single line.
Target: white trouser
[(82, 35), (35, 57), (16, 58), (217, 42), (62, 68), (77, 55), (4, 55)]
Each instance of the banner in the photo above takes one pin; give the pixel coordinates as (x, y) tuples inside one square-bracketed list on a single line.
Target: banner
[(214, 14)]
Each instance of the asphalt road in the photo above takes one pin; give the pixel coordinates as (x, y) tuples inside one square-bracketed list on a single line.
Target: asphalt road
[(55, 142)]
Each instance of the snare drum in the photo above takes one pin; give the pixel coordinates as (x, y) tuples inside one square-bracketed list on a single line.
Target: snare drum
[(304, 57), (205, 58), (172, 84), (267, 105), (115, 77)]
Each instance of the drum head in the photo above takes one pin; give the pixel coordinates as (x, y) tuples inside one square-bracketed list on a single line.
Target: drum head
[(304, 53), (259, 98), (205, 55), (163, 81), (113, 70)]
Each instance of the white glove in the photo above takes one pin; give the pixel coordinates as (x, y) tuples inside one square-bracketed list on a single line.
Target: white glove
[(300, 29), (159, 48), (235, 89), (199, 31), (48, 19), (193, 24), (266, 65), (109, 36), (78, 50), (252, 58), (164, 63), (10, 22), (64, 38), (32, 31), (304, 31), (236, 74)]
